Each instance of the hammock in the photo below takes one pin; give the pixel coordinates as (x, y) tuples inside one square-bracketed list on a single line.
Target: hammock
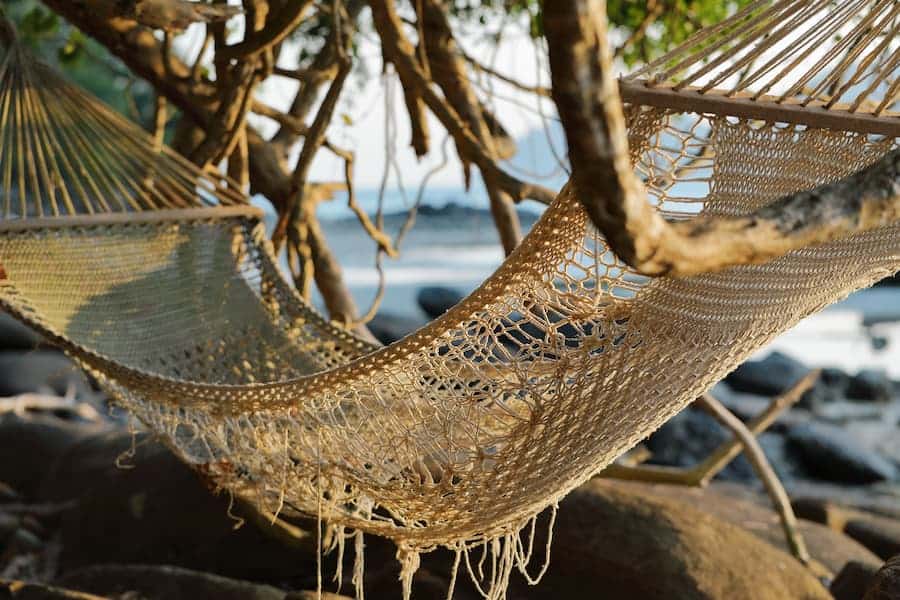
[(158, 279)]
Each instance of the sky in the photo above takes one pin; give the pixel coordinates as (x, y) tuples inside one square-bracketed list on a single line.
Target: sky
[(370, 97)]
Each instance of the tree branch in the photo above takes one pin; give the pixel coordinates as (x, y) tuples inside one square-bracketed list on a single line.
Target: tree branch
[(276, 29), (586, 95), (171, 15), (388, 25), (448, 70)]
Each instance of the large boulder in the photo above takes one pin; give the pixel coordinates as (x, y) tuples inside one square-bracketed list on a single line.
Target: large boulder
[(886, 584), (389, 328), (153, 509), (871, 385), (175, 583), (41, 371), (775, 374), (832, 454), (612, 541), (852, 581), (689, 438), (877, 532), (28, 590), (436, 300), (32, 443), (752, 511), (14, 335)]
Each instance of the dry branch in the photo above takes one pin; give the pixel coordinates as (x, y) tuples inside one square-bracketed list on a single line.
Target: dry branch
[(389, 27), (276, 29), (172, 15), (586, 95), (448, 70)]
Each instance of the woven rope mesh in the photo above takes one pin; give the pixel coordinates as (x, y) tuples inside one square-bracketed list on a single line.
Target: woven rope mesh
[(560, 362), (465, 430)]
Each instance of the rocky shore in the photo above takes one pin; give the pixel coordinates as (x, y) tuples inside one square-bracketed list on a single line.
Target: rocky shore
[(87, 511)]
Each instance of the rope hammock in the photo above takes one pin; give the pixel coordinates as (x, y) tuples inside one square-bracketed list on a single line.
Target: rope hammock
[(158, 278)]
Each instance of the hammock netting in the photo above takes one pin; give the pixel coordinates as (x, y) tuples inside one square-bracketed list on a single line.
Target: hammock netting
[(158, 278)]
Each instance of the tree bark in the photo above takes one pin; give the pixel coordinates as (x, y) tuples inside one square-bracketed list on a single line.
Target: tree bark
[(586, 94), (448, 70)]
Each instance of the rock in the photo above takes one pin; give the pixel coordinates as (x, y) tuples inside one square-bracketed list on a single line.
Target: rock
[(385, 584), (886, 585), (614, 541), (8, 526), (689, 438), (739, 505), (436, 300), (783, 461), (389, 328), (31, 444), (832, 454), (881, 498), (892, 280), (842, 412), (173, 583), (852, 581), (773, 375), (14, 335), (871, 385), (836, 379), (40, 371), (7, 493), (23, 541), (879, 534), (21, 590), (158, 511)]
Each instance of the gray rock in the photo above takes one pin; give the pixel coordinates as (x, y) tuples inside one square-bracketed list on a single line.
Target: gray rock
[(389, 328), (40, 371), (160, 511), (31, 445), (842, 412), (770, 376), (886, 583), (15, 335), (689, 438), (836, 379), (852, 581), (752, 510), (23, 541), (436, 300), (777, 373), (27, 590), (171, 583), (879, 534), (8, 526), (831, 454), (871, 385), (778, 452)]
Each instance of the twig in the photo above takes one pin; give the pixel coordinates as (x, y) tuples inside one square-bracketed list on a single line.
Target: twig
[(387, 23), (22, 404), (276, 29), (702, 473), (764, 471)]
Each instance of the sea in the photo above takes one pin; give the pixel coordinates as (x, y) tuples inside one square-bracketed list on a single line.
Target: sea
[(453, 244)]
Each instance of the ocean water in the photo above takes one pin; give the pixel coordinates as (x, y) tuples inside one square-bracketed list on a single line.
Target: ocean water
[(454, 244)]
